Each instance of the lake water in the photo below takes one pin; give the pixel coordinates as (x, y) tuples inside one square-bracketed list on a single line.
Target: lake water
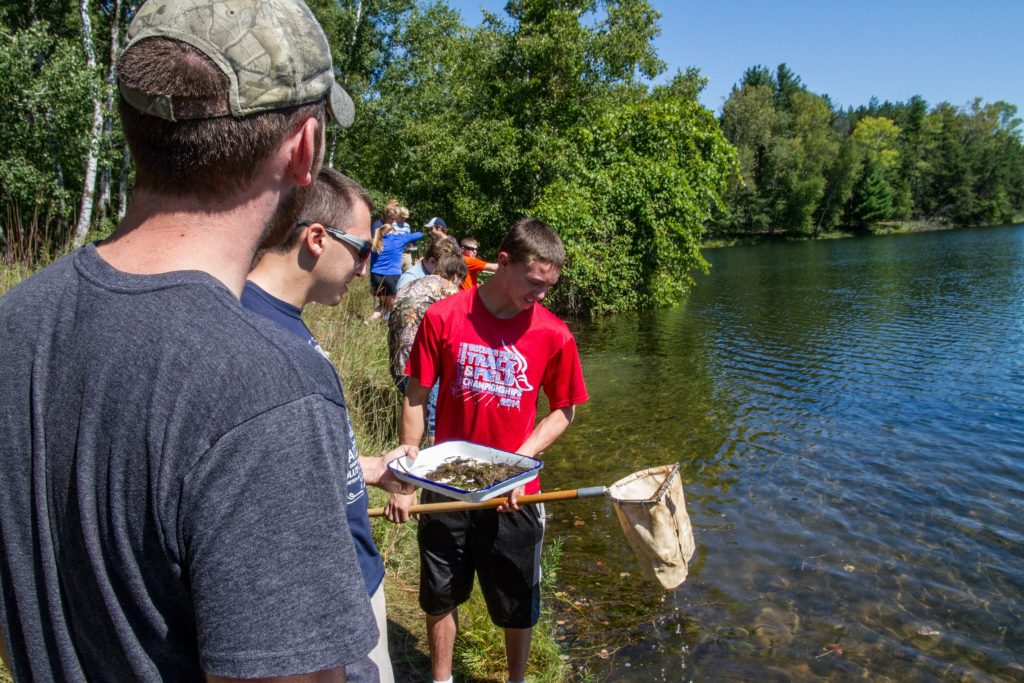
[(849, 417)]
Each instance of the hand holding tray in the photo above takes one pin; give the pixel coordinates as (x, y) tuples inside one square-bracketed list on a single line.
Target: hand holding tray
[(415, 471)]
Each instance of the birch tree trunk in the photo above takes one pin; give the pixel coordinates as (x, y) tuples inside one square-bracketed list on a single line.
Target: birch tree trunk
[(349, 52), (107, 177), (331, 135), (122, 183), (92, 159)]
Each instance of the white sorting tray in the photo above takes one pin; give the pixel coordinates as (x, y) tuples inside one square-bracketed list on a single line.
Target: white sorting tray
[(414, 471)]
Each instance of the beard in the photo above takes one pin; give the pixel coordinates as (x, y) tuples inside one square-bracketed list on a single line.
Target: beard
[(281, 222), (286, 215)]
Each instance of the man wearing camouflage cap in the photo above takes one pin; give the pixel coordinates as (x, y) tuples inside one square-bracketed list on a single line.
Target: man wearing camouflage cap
[(174, 482)]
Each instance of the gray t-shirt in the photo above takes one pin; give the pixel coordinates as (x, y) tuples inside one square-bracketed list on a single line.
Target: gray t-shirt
[(173, 482)]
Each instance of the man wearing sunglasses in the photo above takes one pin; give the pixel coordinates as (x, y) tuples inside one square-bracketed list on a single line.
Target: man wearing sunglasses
[(324, 251), (474, 265)]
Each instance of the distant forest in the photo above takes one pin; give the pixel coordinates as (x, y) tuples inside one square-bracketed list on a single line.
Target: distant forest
[(808, 166), (546, 109)]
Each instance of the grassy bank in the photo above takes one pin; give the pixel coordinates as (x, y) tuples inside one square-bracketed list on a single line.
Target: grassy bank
[(359, 351)]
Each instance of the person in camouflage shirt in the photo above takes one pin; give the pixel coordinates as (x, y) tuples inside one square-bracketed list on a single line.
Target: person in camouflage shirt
[(411, 305)]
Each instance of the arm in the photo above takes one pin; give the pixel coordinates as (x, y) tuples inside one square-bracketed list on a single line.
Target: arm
[(547, 431), (491, 268), (411, 430), (376, 472), (264, 528), (542, 436), (410, 433)]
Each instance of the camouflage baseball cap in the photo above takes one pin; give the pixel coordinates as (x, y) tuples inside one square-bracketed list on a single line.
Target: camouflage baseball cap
[(273, 52)]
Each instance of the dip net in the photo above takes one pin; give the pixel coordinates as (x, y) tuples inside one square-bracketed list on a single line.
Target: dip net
[(652, 511)]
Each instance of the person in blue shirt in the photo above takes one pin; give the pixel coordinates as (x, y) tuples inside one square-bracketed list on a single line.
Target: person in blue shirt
[(425, 266), (386, 266), (325, 250)]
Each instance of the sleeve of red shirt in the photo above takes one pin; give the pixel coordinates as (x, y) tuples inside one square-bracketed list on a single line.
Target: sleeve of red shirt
[(426, 351), (563, 378)]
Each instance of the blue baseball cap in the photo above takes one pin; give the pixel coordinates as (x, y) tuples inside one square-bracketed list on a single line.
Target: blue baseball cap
[(436, 222)]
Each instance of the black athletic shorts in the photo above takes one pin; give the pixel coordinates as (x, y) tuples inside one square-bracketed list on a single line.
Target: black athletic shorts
[(501, 548), (384, 285)]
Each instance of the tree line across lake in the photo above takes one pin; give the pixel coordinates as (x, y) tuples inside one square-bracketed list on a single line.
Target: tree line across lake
[(545, 110), (808, 166)]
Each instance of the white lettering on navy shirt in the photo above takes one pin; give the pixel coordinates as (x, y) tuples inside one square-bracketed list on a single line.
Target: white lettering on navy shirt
[(354, 483)]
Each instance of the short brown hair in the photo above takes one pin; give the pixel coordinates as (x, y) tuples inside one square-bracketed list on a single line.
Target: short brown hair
[(531, 240), (209, 158), (451, 267), (331, 201), (439, 248)]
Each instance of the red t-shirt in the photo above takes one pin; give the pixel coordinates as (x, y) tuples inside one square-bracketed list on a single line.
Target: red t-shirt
[(474, 267), (492, 369)]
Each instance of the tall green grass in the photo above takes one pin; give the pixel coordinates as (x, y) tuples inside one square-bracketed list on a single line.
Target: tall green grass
[(11, 274)]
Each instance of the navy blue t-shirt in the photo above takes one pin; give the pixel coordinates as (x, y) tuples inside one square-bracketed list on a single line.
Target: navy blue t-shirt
[(281, 312), (290, 317)]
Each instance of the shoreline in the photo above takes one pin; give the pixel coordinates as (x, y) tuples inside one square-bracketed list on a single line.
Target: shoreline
[(742, 239)]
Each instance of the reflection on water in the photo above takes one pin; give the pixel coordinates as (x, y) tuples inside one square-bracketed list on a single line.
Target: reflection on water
[(849, 420)]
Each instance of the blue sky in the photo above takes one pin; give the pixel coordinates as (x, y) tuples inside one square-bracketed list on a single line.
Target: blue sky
[(942, 50)]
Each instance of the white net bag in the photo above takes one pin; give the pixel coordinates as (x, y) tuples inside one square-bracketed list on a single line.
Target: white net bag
[(652, 511)]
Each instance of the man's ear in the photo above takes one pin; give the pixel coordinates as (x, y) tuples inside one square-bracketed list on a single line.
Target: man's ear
[(303, 152), (314, 239)]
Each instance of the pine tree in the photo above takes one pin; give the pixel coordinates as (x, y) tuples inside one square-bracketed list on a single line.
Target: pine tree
[(872, 196)]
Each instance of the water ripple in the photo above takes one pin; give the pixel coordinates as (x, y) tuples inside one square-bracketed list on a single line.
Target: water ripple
[(849, 420)]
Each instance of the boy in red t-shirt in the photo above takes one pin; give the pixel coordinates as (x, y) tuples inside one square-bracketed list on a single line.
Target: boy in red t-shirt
[(474, 265), (493, 349)]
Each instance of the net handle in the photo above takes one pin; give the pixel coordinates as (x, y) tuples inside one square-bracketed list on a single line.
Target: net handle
[(456, 505)]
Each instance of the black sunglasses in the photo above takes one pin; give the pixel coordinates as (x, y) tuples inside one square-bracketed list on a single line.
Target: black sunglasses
[(362, 247)]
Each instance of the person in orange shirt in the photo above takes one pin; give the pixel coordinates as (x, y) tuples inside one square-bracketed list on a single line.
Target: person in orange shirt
[(474, 265)]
